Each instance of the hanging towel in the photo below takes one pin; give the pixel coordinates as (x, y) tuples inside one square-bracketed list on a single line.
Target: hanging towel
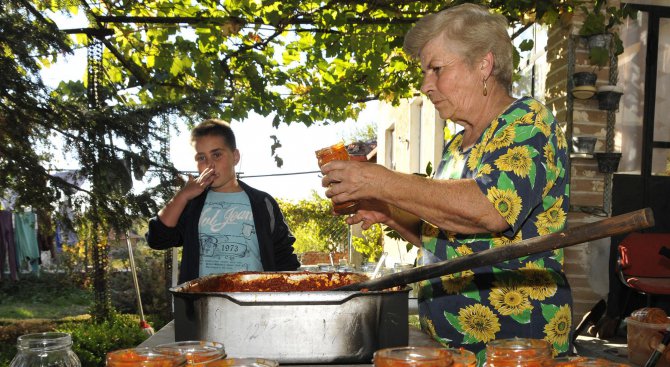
[(27, 248), (7, 245)]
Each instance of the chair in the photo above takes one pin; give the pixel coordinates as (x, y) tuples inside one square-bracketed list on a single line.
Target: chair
[(644, 264)]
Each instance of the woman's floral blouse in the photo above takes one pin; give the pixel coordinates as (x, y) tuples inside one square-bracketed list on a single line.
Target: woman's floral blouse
[(520, 163)]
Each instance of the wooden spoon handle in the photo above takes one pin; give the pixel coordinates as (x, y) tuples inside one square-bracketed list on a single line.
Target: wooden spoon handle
[(616, 225)]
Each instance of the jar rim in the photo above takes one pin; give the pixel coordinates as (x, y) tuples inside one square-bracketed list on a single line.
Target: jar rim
[(142, 356), (414, 354), (44, 341), (518, 349), (195, 351)]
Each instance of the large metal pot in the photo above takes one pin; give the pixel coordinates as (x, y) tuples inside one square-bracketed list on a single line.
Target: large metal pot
[(292, 327)]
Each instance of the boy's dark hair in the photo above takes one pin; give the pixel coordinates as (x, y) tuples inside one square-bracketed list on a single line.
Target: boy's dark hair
[(215, 127)]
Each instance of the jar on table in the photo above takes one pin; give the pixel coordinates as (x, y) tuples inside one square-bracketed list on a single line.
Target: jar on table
[(518, 352), (143, 357), (45, 349), (585, 362), (463, 357), (412, 357), (244, 362), (197, 353), (368, 268)]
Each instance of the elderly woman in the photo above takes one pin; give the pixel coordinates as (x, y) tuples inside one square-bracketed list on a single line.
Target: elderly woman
[(502, 179)]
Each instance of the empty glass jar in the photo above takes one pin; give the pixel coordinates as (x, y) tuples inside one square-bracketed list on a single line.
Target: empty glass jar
[(45, 350)]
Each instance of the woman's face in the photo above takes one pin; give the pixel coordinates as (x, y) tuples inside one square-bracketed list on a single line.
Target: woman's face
[(454, 88), (212, 152)]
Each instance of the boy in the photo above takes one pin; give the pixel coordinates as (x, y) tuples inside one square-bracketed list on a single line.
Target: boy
[(223, 224)]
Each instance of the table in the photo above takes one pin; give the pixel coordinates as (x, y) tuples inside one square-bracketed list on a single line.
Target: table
[(416, 338)]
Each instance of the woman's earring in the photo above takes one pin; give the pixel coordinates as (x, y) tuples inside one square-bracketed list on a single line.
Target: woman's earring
[(485, 91)]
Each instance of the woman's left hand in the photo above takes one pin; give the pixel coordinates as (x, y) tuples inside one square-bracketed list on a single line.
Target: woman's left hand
[(351, 180)]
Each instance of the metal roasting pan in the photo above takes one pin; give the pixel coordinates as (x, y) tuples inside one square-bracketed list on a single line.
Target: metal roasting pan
[(293, 327)]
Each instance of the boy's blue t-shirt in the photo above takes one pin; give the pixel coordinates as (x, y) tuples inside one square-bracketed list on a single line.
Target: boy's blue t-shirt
[(227, 234)]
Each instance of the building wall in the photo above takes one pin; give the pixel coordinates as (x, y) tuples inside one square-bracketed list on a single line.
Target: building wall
[(586, 265), (409, 137)]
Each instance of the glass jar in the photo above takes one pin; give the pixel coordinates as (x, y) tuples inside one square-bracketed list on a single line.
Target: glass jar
[(413, 357), (518, 352), (197, 353), (368, 268), (244, 362), (463, 357), (337, 152), (45, 349), (143, 357), (326, 268), (585, 362)]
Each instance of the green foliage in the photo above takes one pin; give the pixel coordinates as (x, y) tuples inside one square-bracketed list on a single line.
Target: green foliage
[(299, 61), (363, 133), (370, 245), (599, 56), (602, 19), (314, 225), (91, 341)]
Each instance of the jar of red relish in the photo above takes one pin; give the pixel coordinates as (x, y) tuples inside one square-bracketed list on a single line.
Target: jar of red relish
[(463, 357), (518, 352), (243, 362), (197, 353), (585, 362), (413, 357), (337, 152), (143, 357)]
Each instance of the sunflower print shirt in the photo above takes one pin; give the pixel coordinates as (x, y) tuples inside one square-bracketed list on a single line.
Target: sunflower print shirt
[(520, 164)]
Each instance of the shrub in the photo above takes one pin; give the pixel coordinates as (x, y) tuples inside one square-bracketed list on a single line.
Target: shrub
[(91, 341), (370, 244), (314, 226)]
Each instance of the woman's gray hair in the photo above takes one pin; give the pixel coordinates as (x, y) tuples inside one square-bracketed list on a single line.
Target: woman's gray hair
[(474, 30)]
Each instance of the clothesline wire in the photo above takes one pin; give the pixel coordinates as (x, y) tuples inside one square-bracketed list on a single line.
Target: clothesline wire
[(239, 174)]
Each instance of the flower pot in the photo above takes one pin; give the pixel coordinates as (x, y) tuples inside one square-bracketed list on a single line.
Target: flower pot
[(608, 162), (609, 96), (584, 91), (584, 144), (584, 78), (601, 40)]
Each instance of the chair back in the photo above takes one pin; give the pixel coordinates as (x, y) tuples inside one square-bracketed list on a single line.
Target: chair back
[(640, 255)]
